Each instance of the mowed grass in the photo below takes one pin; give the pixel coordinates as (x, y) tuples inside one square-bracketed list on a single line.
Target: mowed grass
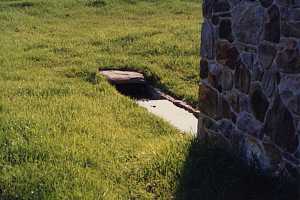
[(65, 133)]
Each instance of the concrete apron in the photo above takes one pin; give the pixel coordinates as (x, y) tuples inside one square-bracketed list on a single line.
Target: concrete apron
[(176, 116)]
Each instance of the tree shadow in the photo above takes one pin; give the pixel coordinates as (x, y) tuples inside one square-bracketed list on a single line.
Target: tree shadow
[(213, 172)]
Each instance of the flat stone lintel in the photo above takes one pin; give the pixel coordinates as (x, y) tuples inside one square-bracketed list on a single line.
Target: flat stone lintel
[(123, 77)]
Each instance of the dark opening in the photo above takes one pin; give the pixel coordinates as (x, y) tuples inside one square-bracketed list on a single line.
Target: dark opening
[(138, 91)]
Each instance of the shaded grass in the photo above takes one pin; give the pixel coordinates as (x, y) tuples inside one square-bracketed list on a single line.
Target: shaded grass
[(214, 171)]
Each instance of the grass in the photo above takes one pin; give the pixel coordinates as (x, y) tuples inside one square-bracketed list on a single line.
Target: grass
[(65, 133)]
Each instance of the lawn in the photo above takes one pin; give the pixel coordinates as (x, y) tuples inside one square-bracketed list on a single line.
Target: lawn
[(65, 133)]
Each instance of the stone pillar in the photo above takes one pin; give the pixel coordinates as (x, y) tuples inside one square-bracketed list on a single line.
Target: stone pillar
[(250, 79)]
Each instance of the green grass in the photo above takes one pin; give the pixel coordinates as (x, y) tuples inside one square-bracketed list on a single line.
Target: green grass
[(65, 133)]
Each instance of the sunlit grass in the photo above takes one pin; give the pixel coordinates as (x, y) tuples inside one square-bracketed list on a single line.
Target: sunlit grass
[(65, 133)]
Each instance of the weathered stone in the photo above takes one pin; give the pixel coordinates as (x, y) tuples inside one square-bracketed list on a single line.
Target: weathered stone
[(234, 3), (215, 19), (203, 68), (244, 103), (259, 102), (290, 29), (272, 26), (294, 104), (225, 31), (289, 90), (248, 22), (273, 153), (227, 54), (226, 127), (294, 14), (123, 77), (208, 100), (289, 82), (257, 72), (226, 79), (221, 6), (252, 48), (288, 3), (208, 42), (248, 60), (247, 123), (214, 71), (290, 158), (266, 3), (279, 126), (233, 98), (242, 79), (225, 109), (253, 152), (288, 60), (266, 55), (207, 125), (207, 8), (269, 82)]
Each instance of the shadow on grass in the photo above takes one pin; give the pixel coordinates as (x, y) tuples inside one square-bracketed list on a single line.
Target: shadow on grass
[(213, 172)]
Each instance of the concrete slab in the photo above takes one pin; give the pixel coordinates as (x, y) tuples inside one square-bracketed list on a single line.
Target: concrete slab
[(176, 116)]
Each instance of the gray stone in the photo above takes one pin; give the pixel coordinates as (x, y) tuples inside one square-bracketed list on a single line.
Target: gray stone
[(123, 77), (294, 14), (224, 109), (291, 29), (289, 90), (203, 68), (221, 6), (207, 8), (272, 26), (226, 127), (269, 82), (226, 79), (266, 3), (247, 123), (227, 54), (279, 126), (225, 31), (248, 59), (214, 72), (248, 22), (234, 3), (245, 103), (252, 69), (273, 153), (288, 60), (259, 102), (233, 97), (266, 55), (208, 42), (294, 104), (242, 78), (208, 100)]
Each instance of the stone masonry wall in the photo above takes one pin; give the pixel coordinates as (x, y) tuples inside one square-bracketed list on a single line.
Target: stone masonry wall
[(250, 72)]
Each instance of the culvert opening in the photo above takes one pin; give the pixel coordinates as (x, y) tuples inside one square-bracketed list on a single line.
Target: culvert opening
[(138, 91), (133, 84)]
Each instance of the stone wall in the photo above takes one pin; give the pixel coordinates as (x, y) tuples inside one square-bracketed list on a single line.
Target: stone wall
[(250, 72)]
